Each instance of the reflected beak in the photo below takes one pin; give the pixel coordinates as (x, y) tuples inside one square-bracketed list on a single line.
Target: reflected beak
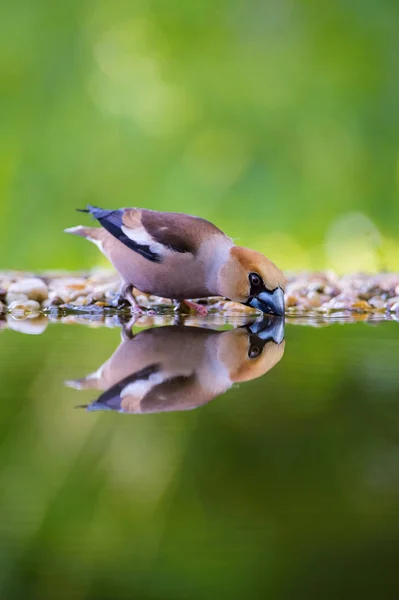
[(268, 328), (269, 302)]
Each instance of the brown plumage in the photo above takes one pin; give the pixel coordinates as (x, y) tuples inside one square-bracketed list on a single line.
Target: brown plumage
[(180, 256), (180, 368)]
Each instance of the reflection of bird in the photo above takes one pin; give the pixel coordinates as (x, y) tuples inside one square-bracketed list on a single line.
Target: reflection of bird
[(178, 256), (179, 368)]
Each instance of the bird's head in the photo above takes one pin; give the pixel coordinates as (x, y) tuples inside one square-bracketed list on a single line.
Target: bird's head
[(250, 278), (251, 351)]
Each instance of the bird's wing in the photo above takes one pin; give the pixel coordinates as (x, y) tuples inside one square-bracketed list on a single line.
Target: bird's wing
[(176, 231), (112, 398), (183, 392), (154, 234), (149, 391), (133, 236)]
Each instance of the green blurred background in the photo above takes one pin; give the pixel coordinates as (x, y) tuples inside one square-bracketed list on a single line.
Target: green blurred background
[(284, 488), (278, 120)]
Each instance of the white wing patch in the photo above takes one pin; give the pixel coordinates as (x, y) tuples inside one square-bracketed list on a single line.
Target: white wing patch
[(141, 236), (139, 389)]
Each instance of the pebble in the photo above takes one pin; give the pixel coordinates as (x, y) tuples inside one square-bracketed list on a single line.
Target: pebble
[(26, 306), (361, 305), (82, 301), (391, 302), (16, 297), (32, 287), (314, 299), (377, 302), (236, 307), (291, 300)]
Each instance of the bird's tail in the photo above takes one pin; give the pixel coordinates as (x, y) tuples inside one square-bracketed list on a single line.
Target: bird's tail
[(97, 213), (92, 233), (85, 383), (93, 406)]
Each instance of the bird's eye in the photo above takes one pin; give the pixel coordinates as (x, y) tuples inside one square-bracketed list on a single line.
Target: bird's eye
[(255, 279), (254, 352)]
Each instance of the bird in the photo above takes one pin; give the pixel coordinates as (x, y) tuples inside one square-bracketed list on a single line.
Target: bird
[(179, 256), (178, 367)]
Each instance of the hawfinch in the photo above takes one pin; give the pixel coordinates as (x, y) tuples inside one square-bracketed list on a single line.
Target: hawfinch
[(178, 256), (182, 367)]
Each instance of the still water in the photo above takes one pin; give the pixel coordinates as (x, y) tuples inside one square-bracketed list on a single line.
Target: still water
[(238, 461)]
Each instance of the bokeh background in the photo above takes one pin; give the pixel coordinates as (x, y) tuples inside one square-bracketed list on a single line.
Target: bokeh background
[(276, 119), (286, 487)]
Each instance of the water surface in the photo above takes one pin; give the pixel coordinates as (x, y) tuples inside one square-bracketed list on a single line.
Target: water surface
[(282, 483)]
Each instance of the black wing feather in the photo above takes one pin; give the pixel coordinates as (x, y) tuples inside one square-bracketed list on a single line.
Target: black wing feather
[(112, 221), (111, 398)]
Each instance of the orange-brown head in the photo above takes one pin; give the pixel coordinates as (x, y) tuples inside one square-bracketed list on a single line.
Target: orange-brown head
[(251, 351), (251, 278)]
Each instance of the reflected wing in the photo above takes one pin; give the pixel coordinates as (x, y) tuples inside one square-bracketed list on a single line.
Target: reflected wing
[(179, 393), (112, 398)]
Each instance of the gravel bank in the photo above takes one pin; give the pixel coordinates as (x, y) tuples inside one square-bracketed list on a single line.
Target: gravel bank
[(308, 294)]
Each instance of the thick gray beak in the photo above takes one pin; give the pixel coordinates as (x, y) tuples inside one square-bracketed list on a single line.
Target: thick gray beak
[(268, 327), (269, 302)]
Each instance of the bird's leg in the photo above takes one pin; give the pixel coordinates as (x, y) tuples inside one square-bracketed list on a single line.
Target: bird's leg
[(179, 318), (120, 301), (126, 294), (200, 309), (133, 302), (127, 329)]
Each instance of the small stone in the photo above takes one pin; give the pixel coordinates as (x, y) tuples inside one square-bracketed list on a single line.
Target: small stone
[(291, 300), (361, 305), (332, 291), (27, 306), (314, 299), (377, 302), (33, 287), (142, 299), (391, 302), (68, 297), (16, 297), (395, 307), (334, 304), (56, 301), (99, 293), (82, 301), (237, 307), (76, 286), (316, 286)]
